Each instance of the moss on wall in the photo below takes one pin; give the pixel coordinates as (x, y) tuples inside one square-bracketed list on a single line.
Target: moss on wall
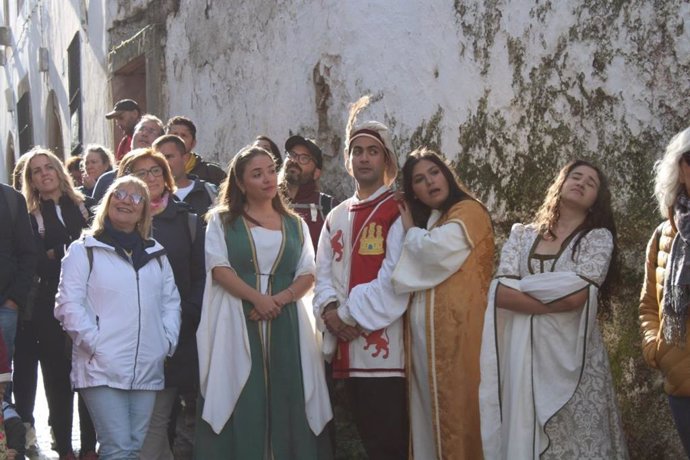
[(562, 110)]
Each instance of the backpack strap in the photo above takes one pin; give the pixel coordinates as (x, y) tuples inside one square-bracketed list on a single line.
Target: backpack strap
[(211, 190), (84, 211), (192, 220), (39, 221), (326, 202)]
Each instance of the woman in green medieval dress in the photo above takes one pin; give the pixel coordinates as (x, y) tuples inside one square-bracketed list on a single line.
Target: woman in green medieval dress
[(263, 391)]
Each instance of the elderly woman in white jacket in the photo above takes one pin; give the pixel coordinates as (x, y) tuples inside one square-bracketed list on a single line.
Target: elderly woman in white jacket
[(118, 301)]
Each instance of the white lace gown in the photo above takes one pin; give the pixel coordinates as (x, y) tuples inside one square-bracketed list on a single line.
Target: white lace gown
[(588, 426)]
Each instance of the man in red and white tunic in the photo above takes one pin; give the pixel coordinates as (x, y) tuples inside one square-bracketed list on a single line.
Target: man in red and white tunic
[(354, 301)]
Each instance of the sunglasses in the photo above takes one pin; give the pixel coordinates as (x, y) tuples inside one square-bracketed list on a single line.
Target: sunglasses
[(156, 171), (121, 195), (301, 158)]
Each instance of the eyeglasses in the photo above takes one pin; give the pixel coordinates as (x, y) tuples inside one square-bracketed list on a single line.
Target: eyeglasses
[(301, 158), (121, 195), (156, 171)]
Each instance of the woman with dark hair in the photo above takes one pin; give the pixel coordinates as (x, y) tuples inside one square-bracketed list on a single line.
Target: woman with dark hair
[(118, 301), (546, 388), (263, 390), (181, 233), (446, 264), (664, 318), (267, 144), (58, 215)]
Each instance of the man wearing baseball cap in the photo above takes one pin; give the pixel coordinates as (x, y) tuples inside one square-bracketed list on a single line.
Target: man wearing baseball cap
[(354, 300), (126, 114), (299, 183)]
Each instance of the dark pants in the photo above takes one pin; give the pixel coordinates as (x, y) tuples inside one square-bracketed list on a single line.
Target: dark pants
[(44, 341), (379, 407), (680, 408)]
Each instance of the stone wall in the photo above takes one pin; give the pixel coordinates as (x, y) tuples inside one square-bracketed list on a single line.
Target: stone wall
[(510, 90)]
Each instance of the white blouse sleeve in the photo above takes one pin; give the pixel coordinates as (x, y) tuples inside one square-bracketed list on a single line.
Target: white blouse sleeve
[(324, 291), (594, 255), (509, 266), (216, 249), (429, 257), (306, 264)]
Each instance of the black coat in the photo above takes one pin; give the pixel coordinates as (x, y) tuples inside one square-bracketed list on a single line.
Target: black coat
[(208, 171), (171, 228), (57, 237), (17, 249), (199, 197)]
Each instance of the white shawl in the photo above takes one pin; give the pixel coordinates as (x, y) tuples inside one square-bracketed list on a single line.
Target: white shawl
[(531, 364), (223, 344)]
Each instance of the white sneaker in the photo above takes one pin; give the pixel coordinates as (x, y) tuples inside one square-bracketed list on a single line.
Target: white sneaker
[(31, 441)]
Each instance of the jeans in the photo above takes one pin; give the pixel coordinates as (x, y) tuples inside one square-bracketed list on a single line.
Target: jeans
[(121, 418), (157, 444), (680, 408), (8, 328)]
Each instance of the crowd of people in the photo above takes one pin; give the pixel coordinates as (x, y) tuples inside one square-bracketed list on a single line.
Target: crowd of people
[(210, 314)]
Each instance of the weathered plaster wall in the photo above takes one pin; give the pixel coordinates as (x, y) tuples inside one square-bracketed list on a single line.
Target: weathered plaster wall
[(53, 25), (510, 90)]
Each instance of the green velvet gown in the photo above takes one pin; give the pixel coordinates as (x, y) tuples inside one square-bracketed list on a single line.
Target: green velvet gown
[(269, 420)]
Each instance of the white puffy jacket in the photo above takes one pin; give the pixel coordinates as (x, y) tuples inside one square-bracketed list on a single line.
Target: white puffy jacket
[(122, 322)]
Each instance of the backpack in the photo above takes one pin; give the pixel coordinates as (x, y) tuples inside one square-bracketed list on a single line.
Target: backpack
[(324, 207), (326, 202), (211, 190)]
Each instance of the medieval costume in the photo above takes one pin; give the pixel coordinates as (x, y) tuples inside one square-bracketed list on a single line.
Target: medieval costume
[(358, 249), (448, 268), (263, 391), (546, 389)]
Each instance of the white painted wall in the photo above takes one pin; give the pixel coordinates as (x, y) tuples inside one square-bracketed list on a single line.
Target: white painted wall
[(53, 24)]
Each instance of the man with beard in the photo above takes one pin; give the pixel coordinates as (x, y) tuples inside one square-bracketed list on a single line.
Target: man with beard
[(299, 182), (126, 114)]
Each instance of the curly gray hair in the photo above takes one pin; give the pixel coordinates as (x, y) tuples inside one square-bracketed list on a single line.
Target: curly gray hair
[(667, 172)]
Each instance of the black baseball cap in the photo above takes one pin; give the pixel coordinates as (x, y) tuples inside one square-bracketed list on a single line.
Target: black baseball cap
[(121, 106), (314, 150)]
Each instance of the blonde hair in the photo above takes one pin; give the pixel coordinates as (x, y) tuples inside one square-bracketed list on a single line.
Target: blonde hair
[(18, 173), (33, 198), (127, 165), (667, 172), (144, 226)]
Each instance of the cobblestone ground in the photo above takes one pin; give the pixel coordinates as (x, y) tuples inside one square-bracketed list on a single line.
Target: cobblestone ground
[(43, 430)]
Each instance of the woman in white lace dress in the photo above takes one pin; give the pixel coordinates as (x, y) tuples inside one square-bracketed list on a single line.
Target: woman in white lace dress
[(546, 389)]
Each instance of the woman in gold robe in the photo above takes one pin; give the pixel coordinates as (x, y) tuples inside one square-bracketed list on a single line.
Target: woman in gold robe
[(446, 265)]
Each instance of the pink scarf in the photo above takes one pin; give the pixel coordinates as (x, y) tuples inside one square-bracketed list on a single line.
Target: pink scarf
[(159, 205)]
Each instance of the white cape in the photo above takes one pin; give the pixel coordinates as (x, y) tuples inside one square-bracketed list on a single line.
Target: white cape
[(531, 365), (224, 353)]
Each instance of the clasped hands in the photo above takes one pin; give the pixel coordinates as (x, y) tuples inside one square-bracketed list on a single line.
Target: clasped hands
[(268, 307), (336, 326)]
